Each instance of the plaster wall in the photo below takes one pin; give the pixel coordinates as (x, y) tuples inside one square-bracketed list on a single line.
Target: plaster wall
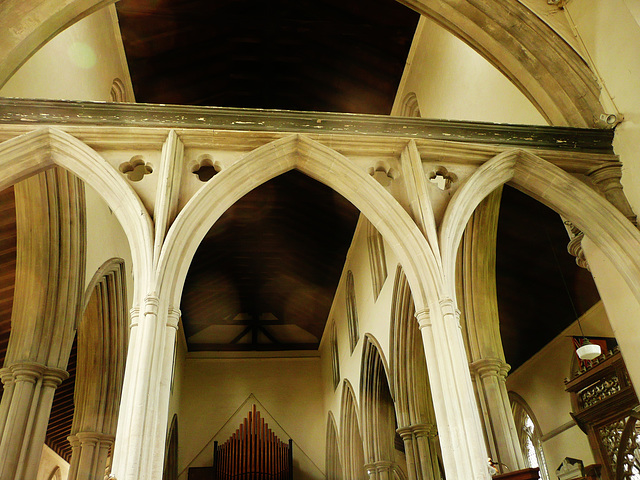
[(540, 382), (288, 388), (49, 462), (452, 81), (80, 63), (373, 319), (610, 32)]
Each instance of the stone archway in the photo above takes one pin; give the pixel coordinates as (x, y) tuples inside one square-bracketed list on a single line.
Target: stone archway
[(352, 447), (600, 221), (511, 37)]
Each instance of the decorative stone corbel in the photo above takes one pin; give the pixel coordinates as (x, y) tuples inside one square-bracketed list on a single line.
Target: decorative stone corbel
[(574, 247), (607, 178), (383, 173)]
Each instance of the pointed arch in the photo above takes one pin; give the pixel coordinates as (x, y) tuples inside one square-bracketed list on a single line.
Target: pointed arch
[(377, 259), (333, 466), (102, 350), (352, 447), (352, 311), (511, 37), (410, 106), (552, 186), (377, 405), (34, 152), (322, 164)]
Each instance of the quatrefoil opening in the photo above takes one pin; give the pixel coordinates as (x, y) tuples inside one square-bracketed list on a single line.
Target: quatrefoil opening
[(136, 168)]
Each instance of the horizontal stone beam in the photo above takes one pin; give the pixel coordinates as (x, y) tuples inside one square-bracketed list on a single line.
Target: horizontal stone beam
[(72, 113)]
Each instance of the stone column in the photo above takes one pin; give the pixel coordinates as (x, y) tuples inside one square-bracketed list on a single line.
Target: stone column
[(461, 439), (491, 375), (421, 451), (32, 388), (411, 453), (607, 178), (482, 327), (90, 452), (426, 439)]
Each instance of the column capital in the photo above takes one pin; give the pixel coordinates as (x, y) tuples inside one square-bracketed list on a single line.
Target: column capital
[(134, 316), (54, 376), (93, 438), (604, 173), (429, 430), (424, 318), (607, 177), (173, 317), (449, 310), (151, 304), (378, 466), (27, 371), (405, 432), (6, 376), (488, 367)]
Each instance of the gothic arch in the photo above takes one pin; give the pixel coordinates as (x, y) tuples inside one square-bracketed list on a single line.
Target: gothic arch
[(320, 163), (377, 405), (352, 446), (410, 106), (518, 43), (587, 210), (34, 152), (102, 350), (333, 466), (352, 312)]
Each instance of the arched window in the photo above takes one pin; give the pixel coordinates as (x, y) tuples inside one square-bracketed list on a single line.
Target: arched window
[(335, 362), (410, 106), (352, 312), (377, 260), (529, 435)]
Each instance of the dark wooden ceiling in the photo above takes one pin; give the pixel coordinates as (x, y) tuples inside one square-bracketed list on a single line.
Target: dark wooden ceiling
[(324, 55), (265, 275), (541, 290)]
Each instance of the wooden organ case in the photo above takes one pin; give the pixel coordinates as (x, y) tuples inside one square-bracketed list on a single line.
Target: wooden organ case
[(605, 407), (253, 452)]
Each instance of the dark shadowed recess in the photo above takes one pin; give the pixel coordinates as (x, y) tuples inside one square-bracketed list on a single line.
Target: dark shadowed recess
[(315, 55), (265, 275), (541, 290)]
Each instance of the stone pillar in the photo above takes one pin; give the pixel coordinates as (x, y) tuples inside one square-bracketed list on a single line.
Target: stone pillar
[(32, 386), (463, 449), (482, 322), (142, 426), (411, 453), (607, 178), (421, 451), (490, 377), (426, 436), (90, 452)]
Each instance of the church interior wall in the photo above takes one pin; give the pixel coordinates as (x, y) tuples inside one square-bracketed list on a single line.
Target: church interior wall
[(540, 383), (610, 32), (289, 388), (49, 462), (452, 81)]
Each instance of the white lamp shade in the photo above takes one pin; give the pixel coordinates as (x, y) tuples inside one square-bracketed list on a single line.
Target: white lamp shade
[(589, 351)]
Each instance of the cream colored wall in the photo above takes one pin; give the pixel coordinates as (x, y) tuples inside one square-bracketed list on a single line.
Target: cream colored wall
[(454, 82), (611, 35), (289, 389), (49, 462), (540, 382), (78, 64), (373, 319)]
